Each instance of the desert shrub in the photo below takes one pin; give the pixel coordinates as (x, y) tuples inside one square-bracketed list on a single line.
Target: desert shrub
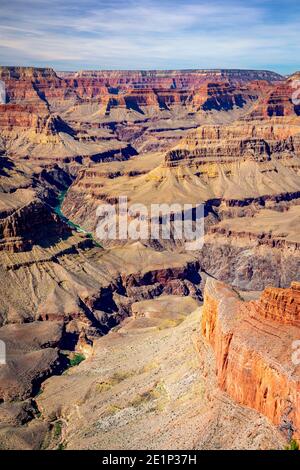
[(76, 359), (293, 445), (57, 429)]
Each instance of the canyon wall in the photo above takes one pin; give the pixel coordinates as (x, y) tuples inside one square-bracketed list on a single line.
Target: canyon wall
[(95, 112), (253, 345)]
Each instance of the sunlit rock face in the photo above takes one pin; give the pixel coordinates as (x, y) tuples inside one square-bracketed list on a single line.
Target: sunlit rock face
[(52, 115), (228, 139), (253, 344)]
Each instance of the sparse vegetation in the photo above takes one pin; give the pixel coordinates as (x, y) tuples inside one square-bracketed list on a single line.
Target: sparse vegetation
[(76, 359), (113, 409), (103, 386), (116, 378), (141, 399), (61, 446), (57, 429), (171, 323), (120, 376), (293, 445), (155, 393)]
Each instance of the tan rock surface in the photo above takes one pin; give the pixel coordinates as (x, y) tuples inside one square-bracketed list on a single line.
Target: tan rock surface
[(152, 387)]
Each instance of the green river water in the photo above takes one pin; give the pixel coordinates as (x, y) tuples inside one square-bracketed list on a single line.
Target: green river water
[(72, 225)]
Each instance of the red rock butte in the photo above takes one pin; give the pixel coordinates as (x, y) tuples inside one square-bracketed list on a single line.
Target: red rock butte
[(253, 344), (86, 320)]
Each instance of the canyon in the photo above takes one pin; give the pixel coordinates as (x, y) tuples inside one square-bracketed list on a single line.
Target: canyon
[(177, 348), (253, 346)]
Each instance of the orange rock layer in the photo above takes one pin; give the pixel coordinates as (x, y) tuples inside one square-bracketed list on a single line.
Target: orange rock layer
[(254, 343), (195, 89), (282, 305)]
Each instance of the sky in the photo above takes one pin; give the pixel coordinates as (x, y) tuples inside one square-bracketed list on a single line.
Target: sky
[(151, 34)]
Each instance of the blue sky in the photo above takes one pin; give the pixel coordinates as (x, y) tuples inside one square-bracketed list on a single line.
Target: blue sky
[(149, 34)]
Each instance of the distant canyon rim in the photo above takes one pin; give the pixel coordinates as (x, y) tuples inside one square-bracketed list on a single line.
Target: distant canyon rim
[(143, 344)]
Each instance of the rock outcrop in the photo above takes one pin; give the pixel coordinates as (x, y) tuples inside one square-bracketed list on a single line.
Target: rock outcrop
[(282, 305), (31, 223), (225, 144), (277, 101), (253, 344)]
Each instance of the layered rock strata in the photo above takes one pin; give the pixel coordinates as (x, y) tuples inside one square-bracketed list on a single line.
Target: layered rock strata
[(253, 343), (88, 113)]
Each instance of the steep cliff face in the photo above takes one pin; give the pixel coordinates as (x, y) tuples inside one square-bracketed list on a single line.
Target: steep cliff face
[(222, 96), (100, 106), (276, 102), (21, 118), (253, 344), (23, 73), (282, 305)]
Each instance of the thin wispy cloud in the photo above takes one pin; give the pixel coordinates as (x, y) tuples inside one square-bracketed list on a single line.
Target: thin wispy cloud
[(150, 34)]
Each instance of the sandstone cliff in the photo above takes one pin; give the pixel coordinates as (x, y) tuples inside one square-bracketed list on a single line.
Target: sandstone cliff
[(253, 344)]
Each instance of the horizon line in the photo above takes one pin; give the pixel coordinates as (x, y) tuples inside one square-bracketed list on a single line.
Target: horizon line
[(189, 69)]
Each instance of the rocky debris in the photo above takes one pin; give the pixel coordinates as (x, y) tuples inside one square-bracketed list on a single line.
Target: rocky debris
[(276, 102), (162, 312), (29, 437), (21, 377), (253, 345), (16, 413), (84, 345)]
